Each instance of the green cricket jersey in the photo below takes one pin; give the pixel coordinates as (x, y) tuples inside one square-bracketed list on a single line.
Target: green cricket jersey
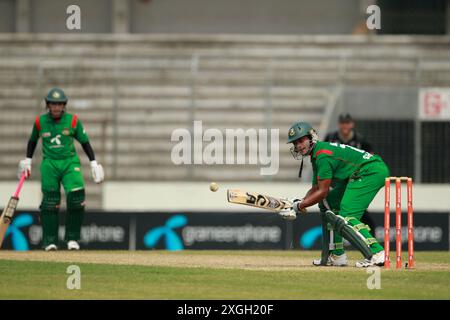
[(338, 161), (57, 136)]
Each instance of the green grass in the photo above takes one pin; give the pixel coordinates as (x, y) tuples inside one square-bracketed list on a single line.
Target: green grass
[(47, 280)]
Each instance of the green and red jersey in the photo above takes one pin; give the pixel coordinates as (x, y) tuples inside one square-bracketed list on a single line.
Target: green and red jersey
[(58, 135), (338, 161)]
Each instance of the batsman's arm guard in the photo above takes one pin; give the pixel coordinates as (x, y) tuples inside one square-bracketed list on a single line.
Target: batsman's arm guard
[(31, 146), (89, 151)]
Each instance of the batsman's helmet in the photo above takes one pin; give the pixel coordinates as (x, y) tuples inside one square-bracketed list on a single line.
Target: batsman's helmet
[(56, 95), (299, 130)]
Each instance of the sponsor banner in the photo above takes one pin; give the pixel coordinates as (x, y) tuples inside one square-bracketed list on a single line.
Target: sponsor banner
[(215, 230), (431, 231), (99, 231), (154, 230), (434, 104)]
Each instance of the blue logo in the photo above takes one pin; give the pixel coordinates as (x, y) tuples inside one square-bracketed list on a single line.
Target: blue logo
[(18, 239), (172, 240), (308, 239)]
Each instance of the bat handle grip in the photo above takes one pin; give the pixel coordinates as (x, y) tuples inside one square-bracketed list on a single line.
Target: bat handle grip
[(19, 186)]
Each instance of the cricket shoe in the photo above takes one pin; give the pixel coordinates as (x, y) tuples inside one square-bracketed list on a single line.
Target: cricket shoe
[(334, 261), (51, 247), (377, 260), (73, 245)]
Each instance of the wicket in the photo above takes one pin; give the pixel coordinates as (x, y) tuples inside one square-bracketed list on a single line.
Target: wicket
[(398, 221)]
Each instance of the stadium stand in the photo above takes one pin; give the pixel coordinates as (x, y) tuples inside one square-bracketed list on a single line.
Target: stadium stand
[(132, 91)]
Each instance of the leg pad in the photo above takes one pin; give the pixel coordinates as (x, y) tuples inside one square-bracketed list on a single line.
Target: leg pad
[(75, 214), (49, 217), (353, 236)]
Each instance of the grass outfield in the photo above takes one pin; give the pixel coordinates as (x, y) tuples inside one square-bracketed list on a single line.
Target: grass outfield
[(212, 275)]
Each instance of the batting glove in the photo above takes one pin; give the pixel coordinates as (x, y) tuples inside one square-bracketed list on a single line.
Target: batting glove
[(288, 214), (295, 202), (97, 172), (24, 166)]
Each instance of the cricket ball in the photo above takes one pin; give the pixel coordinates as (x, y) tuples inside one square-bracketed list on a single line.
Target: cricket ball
[(213, 187)]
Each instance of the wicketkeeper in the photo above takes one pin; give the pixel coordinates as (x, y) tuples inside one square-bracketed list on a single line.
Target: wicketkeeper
[(60, 165), (357, 177)]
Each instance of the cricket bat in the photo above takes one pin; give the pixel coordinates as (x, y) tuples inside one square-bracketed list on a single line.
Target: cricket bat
[(258, 200), (10, 209)]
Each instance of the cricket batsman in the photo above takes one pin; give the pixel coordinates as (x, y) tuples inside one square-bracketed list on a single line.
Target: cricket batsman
[(357, 177), (60, 165)]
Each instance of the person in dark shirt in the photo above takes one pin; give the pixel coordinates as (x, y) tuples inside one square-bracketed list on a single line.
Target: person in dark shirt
[(346, 134)]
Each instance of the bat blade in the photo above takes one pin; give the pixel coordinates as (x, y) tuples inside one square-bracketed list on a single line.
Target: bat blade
[(7, 216), (257, 200)]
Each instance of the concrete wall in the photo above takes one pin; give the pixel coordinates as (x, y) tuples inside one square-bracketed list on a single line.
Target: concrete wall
[(7, 11), (249, 16), (378, 103), (195, 16), (50, 16), (202, 16), (197, 196)]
